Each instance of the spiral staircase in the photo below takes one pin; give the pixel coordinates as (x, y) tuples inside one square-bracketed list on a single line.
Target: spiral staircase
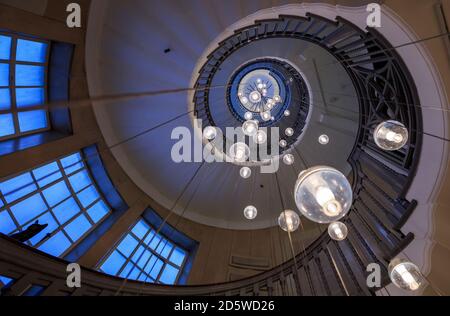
[(380, 179)]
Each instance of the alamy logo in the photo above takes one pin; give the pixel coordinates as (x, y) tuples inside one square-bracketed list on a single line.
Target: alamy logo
[(74, 277), (74, 17), (374, 18), (374, 277)]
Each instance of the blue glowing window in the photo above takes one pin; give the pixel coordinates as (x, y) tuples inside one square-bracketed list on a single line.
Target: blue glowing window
[(6, 125), (5, 99), (29, 75), (145, 255), (5, 47), (28, 97), (23, 85), (32, 120), (47, 195), (4, 75), (31, 51)]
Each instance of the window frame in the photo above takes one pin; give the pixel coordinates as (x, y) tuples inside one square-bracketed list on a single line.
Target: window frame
[(12, 62), (141, 242), (39, 190)]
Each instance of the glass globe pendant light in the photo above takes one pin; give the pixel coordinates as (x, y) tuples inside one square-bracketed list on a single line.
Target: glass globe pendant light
[(283, 143), (245, 172), (289, 221), (248, 116), (338, 231), (405, 275), (260, 137), (239, 152), (289, 159), (287, 113), (250, 127), (323, 194), (390, 135), (210, 133), (250, 212), (289, 132), (324, 139), (266, 116)]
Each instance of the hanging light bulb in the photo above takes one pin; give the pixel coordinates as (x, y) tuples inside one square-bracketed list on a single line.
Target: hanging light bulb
[(289, 159), (390, 135), (323, 194), (289, 221), (244, 100), (250, 212), (405, 275), (338, 231), (210, 133), (287, 113), (266, 116), (250, 127), (289, 132), (258, 80), (239, 152), (324, 139), (260, 137), (245, 172), (248, 116), (255, 97), (283, 143), (277, 99), (270, 104)]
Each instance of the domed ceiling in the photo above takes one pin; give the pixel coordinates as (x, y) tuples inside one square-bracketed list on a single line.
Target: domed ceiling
[(147, 46)]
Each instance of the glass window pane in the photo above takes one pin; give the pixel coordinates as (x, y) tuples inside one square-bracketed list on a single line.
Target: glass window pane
[(47, 174), (72, 163), (155, 242), (7, 225), (6, 281), (144, 258), (17, 187), (165, 249), (56, 193), (4, 75), (56, 245), (156, 269), (6, 125), (98, 211), (113, 264), (5, 99), (26, 97), (66, 211), (78, 227), (31, 51), (138, 254), (80, 180), (88, 196), (28, 209), (30, 76), (169, 275), (177, 256), (32, 120), (140, 229), (48, 219), (5, 47), (128, 245), (125, 272)]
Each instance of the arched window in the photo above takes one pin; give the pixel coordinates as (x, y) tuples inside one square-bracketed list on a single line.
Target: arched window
[(146, 255), (62, 195), (23, 86)]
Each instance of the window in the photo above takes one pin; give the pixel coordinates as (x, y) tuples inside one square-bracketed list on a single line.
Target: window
[(60, 194), (23, 86), (146, 256)]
